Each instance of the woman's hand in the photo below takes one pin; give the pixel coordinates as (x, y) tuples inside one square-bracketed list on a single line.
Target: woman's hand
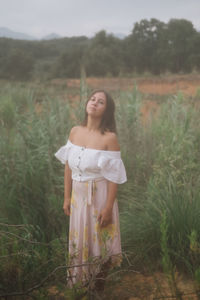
[(105, 217), (66, 207)]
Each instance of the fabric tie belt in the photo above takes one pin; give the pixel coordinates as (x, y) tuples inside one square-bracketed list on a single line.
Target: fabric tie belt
[(92, 188)]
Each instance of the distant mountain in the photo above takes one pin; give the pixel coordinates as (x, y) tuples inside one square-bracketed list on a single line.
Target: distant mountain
[(6, 32), (51, 36)]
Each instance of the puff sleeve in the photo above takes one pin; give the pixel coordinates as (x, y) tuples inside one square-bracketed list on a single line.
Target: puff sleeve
[(63, 152), (112, 167)]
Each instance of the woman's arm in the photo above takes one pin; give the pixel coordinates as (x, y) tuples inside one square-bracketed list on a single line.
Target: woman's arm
[(105, 216), (67, 189), (68, 180)]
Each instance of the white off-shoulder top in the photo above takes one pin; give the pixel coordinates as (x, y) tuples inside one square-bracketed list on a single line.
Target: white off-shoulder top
[(89, 164)]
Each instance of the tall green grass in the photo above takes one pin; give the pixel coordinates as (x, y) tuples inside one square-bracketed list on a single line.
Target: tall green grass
[(162, 163), (31, 190), (28, 169), (170, 170)]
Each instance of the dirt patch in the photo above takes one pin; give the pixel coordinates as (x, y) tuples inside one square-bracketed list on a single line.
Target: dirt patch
[(187, 84), (150, 287), (134, 286)]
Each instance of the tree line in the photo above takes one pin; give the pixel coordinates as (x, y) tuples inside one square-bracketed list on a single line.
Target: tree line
[(152, 46)]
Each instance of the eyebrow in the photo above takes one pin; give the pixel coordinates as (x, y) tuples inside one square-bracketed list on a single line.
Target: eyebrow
[(98, 99)]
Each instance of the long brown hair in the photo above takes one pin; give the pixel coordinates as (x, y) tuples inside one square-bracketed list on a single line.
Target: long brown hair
[(108, 119)]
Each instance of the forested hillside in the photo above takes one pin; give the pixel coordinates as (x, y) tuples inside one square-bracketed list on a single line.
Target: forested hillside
[(153, 46)]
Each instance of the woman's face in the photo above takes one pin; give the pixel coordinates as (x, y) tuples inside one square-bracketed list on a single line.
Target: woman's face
[(96, 105)]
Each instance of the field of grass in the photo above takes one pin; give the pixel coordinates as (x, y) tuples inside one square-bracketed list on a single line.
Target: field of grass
[(159, 205)]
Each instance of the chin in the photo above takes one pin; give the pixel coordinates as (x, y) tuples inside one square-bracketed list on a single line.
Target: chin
[(92, 113)]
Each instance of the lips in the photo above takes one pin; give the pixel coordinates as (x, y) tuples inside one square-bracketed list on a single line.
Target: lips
[(92, 107)]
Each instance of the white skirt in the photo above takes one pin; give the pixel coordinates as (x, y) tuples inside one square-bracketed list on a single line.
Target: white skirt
[(90, 245)]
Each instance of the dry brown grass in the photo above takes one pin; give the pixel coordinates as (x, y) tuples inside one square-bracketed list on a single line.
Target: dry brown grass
[(187, 84)]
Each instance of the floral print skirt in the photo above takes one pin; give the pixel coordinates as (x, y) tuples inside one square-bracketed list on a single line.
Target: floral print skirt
[(90, 245)]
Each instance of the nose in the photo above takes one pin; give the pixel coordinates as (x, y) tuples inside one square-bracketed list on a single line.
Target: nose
[(95, 102)]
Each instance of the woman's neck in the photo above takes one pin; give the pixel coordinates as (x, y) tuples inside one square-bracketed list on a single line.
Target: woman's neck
[(93, 124)]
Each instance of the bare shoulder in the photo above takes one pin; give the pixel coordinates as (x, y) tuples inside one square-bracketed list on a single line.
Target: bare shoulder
[(112, 142), (74, 131)]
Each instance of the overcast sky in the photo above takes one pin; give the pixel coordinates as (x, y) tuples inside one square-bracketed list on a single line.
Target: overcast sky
[(86, 17)]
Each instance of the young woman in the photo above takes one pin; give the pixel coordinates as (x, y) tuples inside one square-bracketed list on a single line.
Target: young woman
[(93, 169)]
